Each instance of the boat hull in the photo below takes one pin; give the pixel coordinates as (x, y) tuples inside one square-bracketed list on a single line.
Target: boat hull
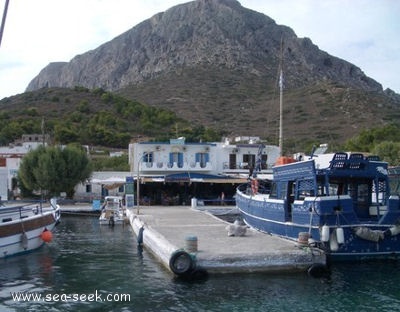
[(22, 235), (268, 216)]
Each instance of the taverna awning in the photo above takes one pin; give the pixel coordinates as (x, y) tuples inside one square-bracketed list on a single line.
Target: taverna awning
[(204, 178), (110, 183), (114, 182)]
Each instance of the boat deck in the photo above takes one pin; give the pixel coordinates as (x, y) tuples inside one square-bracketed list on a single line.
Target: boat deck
[(167, 229)]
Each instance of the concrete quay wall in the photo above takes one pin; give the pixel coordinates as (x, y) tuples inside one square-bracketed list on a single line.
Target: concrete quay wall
[(165, 230)]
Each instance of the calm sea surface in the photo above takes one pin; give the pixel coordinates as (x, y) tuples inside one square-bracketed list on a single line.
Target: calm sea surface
[(87, 259)]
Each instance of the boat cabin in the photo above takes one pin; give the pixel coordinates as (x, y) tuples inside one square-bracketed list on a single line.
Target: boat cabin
[(360, 183)]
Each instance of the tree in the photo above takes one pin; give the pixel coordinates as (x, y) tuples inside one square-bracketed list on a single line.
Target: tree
[(64, 134), (52, 170), (367, 139), (388, 151), (383, 142)]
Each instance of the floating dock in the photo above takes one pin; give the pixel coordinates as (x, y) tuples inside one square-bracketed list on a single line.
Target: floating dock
[(173, 231)]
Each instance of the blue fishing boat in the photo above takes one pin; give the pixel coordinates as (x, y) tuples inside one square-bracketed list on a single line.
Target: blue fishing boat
[(340, 202)]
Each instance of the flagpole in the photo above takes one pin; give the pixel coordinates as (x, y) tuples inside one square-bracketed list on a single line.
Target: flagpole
[(281, 100)]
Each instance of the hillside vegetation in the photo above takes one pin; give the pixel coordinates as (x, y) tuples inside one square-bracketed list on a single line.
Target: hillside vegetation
[(240, 103), (94, 118), (105, 121)]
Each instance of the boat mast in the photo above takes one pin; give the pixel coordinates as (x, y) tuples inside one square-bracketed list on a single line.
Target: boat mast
[(281, 101), (3, 21)]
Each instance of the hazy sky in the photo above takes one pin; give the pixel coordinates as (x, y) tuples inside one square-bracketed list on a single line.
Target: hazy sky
[(363, 32)]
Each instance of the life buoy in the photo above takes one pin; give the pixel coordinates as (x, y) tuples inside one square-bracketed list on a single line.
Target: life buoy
[(254, 186), (181, 263)]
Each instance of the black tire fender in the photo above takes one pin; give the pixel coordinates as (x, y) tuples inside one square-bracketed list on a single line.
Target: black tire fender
[(181, 262)]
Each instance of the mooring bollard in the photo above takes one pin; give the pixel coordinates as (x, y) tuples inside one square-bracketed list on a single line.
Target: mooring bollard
[(191, 243)]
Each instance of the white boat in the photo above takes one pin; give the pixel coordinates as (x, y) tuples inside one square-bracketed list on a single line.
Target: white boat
[(112, 211), (24, 228)]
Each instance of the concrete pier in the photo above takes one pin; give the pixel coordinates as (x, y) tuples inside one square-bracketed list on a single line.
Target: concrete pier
[(165, 230)]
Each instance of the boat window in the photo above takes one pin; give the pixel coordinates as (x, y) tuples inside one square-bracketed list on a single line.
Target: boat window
[(337, 189), (320, 189), (363, 193), (290, 195), (274, 191), (360, 192), (282, 192)]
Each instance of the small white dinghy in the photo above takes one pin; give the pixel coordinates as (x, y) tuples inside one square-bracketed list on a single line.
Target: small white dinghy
[(112, 211)]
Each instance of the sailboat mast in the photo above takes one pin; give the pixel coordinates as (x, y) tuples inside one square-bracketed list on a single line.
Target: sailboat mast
[(281, 100), (280, 112), (3, 21)]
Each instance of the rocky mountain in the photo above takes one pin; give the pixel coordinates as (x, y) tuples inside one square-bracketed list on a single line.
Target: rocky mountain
[(202, 33), (216, 63)]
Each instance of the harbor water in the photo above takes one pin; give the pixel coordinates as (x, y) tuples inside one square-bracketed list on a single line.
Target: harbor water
[(101, 263)]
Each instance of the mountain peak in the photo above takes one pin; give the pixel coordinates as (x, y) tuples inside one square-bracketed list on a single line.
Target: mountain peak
[(199, 34)]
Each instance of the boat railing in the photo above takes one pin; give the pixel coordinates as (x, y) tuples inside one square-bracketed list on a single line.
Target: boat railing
[(246, 188), (8, 214), (356, 161), (241, 166)]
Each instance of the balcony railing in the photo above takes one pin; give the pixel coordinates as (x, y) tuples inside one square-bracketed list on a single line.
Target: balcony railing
[(174, 166)]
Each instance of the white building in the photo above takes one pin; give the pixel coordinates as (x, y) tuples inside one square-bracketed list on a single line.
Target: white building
[(163, 160), (102, 183), (176, 171), (10, 159)]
